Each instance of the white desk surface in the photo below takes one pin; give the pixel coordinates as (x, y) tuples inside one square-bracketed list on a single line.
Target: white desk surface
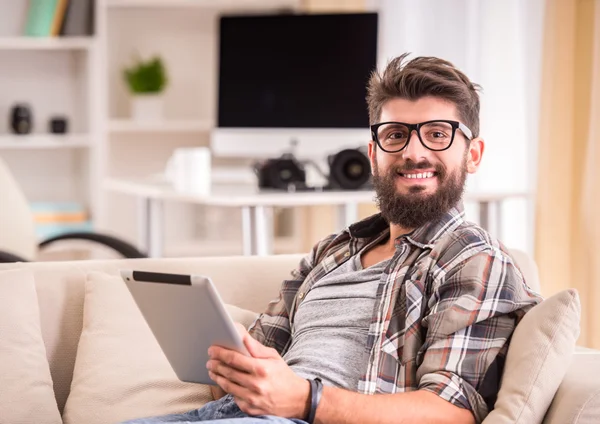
[(237, 195)]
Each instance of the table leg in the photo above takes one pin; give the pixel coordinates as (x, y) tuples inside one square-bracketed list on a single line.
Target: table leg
[(484, 214), (156, 228), (257, 230), (498, 220), (490, 217), (263, 225), (248, 236), (143, 223), (347, 215)]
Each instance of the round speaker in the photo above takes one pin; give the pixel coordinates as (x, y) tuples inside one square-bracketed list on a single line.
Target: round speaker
[(349, 169)]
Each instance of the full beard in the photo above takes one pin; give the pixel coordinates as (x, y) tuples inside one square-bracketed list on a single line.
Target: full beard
[(414, 209)]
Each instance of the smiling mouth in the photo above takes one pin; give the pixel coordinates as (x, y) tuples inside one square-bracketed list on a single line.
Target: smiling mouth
[(418, 175)]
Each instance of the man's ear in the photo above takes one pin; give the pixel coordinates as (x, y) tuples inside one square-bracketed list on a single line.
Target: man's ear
[(474, 154), (372, 152)]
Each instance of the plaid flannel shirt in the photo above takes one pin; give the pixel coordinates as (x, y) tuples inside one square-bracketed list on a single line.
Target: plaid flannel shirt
[(445, 310)]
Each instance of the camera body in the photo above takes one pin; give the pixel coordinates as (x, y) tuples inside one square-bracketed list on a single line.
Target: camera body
[(349, 169), (280, 173)]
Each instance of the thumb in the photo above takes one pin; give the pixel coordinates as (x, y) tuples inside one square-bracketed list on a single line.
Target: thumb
[(256, 349)]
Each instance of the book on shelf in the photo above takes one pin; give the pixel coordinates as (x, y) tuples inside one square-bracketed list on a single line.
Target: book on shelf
[(79, 19), (59, 17), (40, 17), (55, 218), (51, 18)]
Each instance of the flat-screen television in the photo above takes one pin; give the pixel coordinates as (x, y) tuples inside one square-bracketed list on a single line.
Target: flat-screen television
[(299, 78)]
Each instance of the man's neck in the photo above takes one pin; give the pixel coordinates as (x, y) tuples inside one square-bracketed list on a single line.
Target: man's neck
[(395, 232)]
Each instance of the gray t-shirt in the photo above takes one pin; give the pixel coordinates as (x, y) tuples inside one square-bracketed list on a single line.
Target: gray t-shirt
[(331, 325)]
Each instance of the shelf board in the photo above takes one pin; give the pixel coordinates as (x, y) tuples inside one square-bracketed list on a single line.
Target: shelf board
[(46, 43), (44, 141), (203, 4), (167, 126)]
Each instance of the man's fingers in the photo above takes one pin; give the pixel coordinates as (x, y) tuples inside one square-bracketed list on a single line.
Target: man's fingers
[(233, 359), (230, 386), (248, 381)]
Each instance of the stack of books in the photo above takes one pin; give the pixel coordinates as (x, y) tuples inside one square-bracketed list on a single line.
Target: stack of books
[(57, 218), (51, 18)]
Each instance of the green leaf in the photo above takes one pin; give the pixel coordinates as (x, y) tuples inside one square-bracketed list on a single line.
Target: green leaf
[(146, 76)]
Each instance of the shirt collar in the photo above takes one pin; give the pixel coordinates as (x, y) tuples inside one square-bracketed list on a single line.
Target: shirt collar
[(424, 237)]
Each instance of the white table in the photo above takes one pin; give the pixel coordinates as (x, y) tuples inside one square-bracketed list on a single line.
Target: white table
[(257, 208)]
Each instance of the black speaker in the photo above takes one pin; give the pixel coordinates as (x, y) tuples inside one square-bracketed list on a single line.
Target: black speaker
[(281, 173), (349, 169), (21, 119), (58, 125)]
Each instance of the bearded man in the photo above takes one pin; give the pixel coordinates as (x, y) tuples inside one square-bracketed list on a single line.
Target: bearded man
[(404, 317)]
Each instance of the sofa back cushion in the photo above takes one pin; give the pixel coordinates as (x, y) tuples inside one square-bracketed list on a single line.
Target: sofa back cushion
[(539, 355), (26, 394), (247, 282), (121, 372)]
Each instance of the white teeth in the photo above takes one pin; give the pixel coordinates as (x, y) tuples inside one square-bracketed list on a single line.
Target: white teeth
[(419, 175)]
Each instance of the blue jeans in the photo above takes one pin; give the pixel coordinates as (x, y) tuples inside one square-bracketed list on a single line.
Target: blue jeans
[(223, 411)]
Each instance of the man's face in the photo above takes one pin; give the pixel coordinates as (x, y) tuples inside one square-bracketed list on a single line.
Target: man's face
[(418, 185)]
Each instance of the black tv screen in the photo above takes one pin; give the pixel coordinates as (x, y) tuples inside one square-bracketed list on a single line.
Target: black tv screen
[(295, 71)]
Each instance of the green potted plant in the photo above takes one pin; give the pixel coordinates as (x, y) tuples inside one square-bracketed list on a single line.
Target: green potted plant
[(147, 80)]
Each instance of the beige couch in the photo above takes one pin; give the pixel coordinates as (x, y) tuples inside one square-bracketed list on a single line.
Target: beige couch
[(250, 283)]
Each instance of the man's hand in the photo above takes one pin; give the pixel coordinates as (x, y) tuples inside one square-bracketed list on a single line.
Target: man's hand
[(262, 384)]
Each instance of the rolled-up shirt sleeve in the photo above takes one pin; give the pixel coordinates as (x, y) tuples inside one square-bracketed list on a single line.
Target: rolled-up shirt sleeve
[(472, 313)]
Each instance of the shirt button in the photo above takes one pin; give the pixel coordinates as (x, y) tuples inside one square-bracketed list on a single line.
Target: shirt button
[(301, 295), (346, 254)]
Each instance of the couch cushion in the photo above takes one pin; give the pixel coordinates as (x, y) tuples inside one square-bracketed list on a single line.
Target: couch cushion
[(26, 392), (539, 355), (60, 291), (120, 372), (249, 282), (578, 397)]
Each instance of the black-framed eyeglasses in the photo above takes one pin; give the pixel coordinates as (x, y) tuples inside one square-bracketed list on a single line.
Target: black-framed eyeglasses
[(436, 135)]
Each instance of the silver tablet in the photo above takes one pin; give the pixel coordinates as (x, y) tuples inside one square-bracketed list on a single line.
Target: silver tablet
[(186, 316)]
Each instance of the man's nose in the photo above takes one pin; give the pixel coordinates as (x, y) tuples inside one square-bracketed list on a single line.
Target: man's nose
[(414, 150)]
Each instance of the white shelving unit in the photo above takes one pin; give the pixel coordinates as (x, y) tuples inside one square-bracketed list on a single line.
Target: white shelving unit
[(184, 33), (54, 76), (125, 126), (44, 141), (81, 78), (56, 43), (220, 5)]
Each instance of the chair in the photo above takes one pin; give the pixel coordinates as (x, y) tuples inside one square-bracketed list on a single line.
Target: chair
[(18, 242)]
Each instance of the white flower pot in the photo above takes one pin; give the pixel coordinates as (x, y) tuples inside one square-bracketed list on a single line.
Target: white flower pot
[(147, 107)]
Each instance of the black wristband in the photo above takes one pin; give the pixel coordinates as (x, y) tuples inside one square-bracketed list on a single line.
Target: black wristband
[(316, 389)]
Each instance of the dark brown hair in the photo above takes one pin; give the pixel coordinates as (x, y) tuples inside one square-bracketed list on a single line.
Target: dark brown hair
[(420, 77)]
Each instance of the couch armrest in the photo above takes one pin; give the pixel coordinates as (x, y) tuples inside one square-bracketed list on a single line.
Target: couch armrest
[(578, 397)]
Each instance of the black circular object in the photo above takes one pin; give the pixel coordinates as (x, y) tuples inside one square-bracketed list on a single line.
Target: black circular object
[(58, 125), (349, 169), (21, 119)]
